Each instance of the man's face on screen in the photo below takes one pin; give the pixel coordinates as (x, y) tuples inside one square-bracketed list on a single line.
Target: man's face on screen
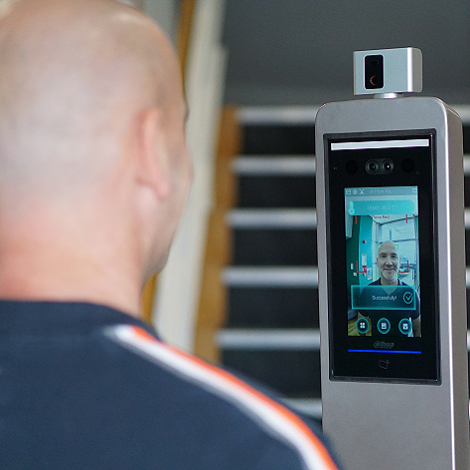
[(388, 262)]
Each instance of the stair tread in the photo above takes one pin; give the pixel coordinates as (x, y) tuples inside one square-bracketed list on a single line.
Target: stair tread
[(258, 338), (273, 218), (290, 165), (305, 114), (270, 276)]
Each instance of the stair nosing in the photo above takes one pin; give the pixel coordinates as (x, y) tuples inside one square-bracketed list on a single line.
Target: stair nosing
[(270, 276), (286, 165), (272, 218), (290, 165), (269, 338), (274, 338), (305, 115), (309, 406)]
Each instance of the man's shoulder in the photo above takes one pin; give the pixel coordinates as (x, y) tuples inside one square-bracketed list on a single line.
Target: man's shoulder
[(225, 409), (111, 386)]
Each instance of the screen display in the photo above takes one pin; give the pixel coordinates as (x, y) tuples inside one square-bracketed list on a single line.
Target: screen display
[(382, 252), (382, 292)]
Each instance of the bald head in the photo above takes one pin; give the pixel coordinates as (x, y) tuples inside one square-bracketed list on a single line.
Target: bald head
[(387, 246), (73, 75), (388, 263), (94, 168)]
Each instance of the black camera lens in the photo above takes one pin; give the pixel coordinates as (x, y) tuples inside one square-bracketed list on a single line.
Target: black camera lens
[(372, 166), (387, 166), (374, 71), (352, 167), (408, 165)]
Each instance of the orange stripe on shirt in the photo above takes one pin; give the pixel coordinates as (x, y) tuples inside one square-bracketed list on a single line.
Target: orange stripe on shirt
[(237, 383)]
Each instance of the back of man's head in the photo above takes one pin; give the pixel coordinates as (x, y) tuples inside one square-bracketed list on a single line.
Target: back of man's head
[(91, 138), (71, 77)]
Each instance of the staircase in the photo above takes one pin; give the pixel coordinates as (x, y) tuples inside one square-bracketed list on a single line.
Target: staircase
[(271, 330)]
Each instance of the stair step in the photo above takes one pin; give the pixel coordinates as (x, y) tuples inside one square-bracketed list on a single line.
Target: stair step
[(278, 276), (272, 297), (274, 338), (273, 236), (272, 307), (284, 191), (267, 247), (275, 115), (284, 218), (466, 165), (467, 218), (273, 218), (278, 139), (287, 165), (293, 373), (249, 276), (467, 190), (256, 191), (303, 115), (308, 406), (268, 339)]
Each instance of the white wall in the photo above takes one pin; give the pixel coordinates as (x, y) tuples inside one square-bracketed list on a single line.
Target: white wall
[(178, 287)]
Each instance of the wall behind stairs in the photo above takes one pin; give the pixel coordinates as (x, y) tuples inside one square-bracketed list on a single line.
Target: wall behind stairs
[(301, 51)]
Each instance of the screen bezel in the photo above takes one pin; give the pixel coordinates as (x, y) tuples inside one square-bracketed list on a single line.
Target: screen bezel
[(406, 368)]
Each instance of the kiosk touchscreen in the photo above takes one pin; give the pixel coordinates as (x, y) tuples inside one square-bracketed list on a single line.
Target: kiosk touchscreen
[(391, 272), (381, 256)]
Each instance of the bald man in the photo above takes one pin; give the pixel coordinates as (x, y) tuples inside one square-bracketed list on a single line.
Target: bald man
[(94, 174), (399, 321)]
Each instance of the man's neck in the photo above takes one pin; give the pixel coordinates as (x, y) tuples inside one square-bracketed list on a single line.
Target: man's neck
[(36, 268), (386, 282)]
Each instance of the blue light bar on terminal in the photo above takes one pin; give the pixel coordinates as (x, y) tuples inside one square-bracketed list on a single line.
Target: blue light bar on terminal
[(383, 351)]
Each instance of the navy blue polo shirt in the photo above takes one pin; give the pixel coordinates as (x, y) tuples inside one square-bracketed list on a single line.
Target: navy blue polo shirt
[(84, 386)]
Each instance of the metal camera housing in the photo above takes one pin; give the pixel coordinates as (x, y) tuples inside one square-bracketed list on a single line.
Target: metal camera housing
[(388, 71)]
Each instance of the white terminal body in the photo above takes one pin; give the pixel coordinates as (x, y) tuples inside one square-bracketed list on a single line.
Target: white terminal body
[(403, 422)]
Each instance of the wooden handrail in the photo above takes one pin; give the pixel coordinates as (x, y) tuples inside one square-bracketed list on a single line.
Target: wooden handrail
[(147, 299), (186, 16)]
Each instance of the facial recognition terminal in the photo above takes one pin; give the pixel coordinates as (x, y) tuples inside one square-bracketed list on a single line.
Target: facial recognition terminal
[(391, 265)]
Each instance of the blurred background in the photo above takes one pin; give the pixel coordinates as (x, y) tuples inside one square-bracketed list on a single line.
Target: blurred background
[(240, 288), (300, 52)]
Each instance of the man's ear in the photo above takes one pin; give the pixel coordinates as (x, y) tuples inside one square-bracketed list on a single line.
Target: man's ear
[(153, 165)]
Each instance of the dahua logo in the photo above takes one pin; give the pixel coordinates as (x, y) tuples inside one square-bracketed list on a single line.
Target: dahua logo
[(383, 345)]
